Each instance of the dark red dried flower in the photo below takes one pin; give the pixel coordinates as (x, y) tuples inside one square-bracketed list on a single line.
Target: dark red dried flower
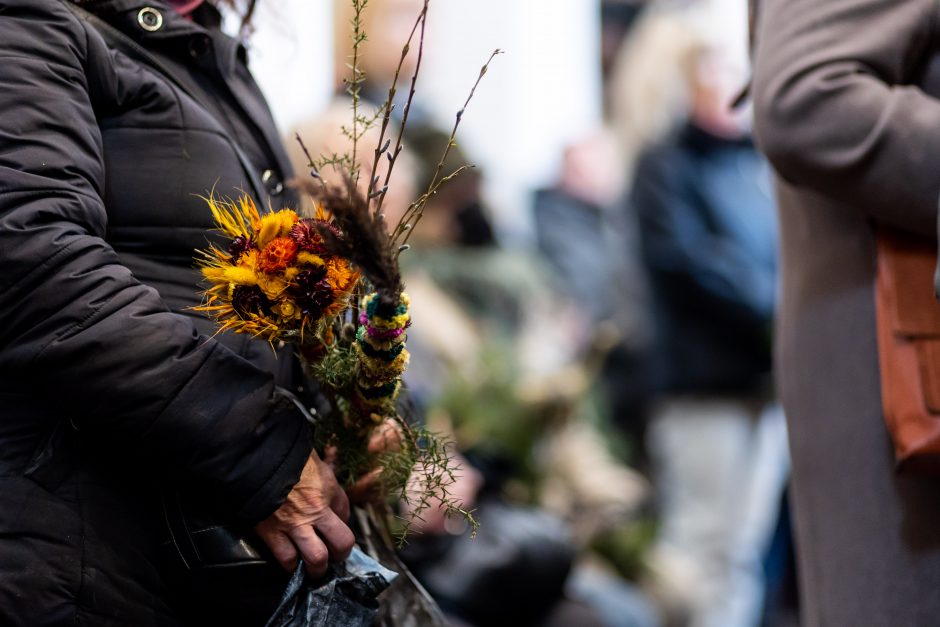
[(312, 292), (239, 246), (305, 233), (249, 299), (308, 278)]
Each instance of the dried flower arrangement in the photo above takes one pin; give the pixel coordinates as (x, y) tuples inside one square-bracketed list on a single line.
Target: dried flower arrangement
[(330, 285)]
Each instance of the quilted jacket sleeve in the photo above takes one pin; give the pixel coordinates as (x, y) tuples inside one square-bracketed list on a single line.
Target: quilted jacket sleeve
[(131, 373), (836, 105)]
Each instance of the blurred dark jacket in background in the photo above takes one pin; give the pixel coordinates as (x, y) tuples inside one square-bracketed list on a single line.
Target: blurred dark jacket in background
[(708, 232)]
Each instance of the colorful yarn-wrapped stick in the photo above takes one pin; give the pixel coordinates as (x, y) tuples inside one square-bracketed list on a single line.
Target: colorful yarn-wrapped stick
[(383, 358)]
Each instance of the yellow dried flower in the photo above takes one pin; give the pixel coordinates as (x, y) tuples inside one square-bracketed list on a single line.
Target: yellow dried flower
[(273, 225), (287, 309), (272, 285), (234, 220), (230, 274), (249, 259), (303, 257), (340, 275)]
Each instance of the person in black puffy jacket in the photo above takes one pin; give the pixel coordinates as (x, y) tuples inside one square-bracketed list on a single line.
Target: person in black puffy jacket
[(112, 389)]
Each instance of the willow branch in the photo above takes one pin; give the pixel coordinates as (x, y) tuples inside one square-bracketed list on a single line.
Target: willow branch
[(383, 144), (393, 155), (413, 215)]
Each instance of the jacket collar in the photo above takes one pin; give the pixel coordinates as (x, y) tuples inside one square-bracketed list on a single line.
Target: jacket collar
[(174, 30), (702, 140), (200, 42)]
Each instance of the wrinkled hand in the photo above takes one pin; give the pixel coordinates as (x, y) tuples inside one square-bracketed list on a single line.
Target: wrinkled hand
[(310, 521), (385, 438)]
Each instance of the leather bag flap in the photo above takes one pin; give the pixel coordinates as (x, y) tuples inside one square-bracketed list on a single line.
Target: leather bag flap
[(907, 272)]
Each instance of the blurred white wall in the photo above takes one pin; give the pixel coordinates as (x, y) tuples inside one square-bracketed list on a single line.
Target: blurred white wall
[(542, 94), (291, 57)]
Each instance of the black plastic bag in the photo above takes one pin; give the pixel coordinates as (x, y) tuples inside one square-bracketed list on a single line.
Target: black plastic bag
[(348, 596), (373, 587), (406, 603)]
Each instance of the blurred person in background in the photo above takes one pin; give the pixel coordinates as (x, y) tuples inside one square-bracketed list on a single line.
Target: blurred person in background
[(591, 246), (708, 235), (510, 390), (847, 103)]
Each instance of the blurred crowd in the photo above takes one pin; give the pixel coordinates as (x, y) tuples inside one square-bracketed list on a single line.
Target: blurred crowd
[(608, 389)]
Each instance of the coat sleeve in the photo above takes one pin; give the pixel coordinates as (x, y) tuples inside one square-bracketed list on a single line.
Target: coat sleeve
[(836, 105), (134, 377)]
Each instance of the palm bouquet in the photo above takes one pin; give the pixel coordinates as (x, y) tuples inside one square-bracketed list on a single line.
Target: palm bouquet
[(328, 283)]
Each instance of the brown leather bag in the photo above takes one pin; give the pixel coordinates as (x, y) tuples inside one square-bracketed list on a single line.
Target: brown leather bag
[(908, 318)]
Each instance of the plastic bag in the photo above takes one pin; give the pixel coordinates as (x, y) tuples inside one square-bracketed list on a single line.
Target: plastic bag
[(406, 603), (348, 597), (373, 587)]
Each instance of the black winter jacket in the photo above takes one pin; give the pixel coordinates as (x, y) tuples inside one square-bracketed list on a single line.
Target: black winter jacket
[(709, 241), (110, 387)]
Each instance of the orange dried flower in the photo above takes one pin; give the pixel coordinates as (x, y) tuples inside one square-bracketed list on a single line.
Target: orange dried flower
[(340, 275), (277, 255)]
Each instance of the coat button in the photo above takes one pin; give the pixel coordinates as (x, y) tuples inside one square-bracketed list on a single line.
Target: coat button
[(274, 186), (198, 46), (150, 19)]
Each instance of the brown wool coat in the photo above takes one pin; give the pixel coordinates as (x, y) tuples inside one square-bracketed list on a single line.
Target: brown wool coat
[(847, 109)]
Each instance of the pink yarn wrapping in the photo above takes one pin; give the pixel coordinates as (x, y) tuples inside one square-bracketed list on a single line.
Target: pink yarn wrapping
[(378, 333)]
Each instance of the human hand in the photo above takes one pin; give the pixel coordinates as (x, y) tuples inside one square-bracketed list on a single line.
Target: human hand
[(385, 438), (310, 521)]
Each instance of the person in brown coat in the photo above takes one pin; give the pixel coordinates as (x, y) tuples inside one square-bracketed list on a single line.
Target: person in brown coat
[(847, 110)]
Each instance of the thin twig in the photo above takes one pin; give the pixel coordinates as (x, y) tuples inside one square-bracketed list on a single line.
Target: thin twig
[(393, 156), (314, 170), (382, 145), (355, 83), (416, 210)]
